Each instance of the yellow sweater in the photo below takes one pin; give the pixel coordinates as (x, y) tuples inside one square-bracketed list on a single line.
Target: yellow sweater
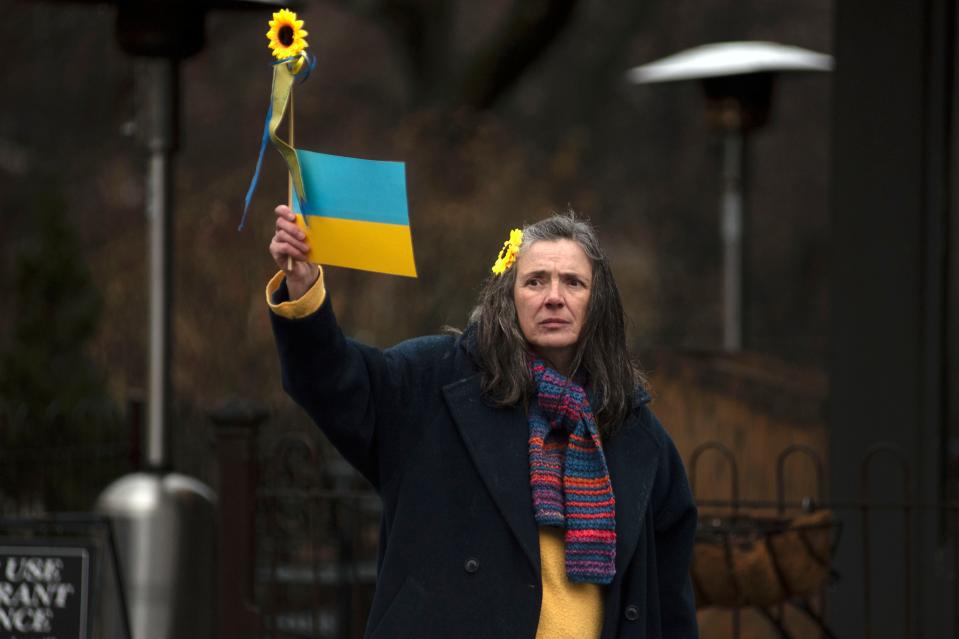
[(569, 611)]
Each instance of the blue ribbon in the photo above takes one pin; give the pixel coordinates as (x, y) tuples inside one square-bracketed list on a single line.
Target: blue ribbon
[(306, 70), (301, 76), (259, 164)]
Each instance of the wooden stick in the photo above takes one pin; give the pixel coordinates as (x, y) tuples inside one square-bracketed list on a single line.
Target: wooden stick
[(289, 192)]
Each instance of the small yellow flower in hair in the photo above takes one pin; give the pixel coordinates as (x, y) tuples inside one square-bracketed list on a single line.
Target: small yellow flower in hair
[(507, 255)]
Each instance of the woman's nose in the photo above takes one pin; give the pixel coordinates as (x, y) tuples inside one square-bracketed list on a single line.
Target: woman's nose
[(553, 295)]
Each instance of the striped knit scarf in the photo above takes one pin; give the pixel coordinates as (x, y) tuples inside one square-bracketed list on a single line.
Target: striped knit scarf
[(568, 475)]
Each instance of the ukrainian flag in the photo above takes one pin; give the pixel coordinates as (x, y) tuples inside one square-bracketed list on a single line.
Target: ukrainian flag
[(356, 211)]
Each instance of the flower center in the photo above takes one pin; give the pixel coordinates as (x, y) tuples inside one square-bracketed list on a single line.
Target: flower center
[(285, 35)]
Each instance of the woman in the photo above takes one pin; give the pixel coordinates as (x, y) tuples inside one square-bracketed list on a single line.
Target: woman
[(528, 491)]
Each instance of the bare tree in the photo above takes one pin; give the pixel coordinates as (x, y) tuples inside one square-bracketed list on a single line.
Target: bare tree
[(423, 29)]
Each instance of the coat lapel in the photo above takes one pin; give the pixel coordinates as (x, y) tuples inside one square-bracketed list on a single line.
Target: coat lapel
[(498, 442), (631, 456)]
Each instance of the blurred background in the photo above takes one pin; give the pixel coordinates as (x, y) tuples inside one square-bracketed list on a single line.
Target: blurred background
[(505, 111)]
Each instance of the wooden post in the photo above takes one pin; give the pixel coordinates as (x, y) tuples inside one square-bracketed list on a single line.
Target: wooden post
[(236, 424)]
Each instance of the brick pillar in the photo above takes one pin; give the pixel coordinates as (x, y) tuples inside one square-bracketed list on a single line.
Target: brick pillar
[(236, 424)]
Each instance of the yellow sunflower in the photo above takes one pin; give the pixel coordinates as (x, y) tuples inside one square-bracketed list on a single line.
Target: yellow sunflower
[(286, 35), (507, 255)]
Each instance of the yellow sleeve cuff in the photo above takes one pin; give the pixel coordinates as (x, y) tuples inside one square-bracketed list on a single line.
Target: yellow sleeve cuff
[(307, 304)]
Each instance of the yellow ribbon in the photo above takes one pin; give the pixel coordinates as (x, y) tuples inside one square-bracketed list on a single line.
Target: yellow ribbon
[(283, 76)]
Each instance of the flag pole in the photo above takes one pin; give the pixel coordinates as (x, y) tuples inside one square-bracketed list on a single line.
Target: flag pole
[(289, 178)]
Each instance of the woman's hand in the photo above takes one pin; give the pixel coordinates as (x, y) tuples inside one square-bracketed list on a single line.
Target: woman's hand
[(289, 250)]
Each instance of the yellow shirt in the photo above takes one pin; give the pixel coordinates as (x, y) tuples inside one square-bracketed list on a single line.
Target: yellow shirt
[(569, 611)]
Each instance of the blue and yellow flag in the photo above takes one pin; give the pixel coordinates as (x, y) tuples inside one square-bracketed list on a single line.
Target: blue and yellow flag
[(353, 211), (356, 212)]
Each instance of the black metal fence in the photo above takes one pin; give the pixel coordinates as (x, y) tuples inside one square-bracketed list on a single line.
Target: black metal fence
[(747, 530), (313, 523), (319, 525), (57, 457)]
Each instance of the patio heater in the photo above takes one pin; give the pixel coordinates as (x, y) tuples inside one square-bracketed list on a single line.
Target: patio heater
[(737, 80), (164, 521)]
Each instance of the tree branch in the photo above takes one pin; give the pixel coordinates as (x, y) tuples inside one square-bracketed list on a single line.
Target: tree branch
[(530, 29)]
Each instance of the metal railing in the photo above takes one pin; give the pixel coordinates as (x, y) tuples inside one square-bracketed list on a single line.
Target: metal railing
[(319, 525), (812, 605)]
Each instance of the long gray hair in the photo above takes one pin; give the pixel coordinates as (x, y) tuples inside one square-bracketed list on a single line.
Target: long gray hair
[(601, 351)]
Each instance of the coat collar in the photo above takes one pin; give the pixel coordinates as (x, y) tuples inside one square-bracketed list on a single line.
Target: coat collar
[(497, 439)]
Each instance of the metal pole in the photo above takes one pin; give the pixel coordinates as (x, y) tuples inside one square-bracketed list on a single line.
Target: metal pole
[(731, 229), (160, 76)]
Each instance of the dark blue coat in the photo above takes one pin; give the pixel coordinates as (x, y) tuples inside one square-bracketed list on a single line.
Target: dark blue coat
[(459, 549)]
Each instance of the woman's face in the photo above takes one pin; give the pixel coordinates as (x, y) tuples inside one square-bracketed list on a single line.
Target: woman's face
[(553, 282)]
